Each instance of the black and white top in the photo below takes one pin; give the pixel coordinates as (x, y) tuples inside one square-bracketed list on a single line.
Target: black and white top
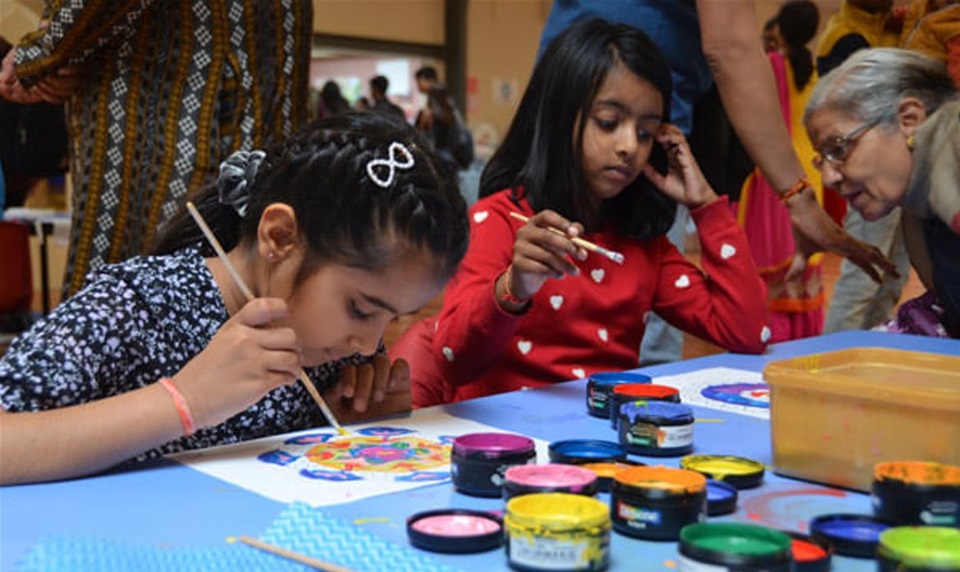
[(130, 325)]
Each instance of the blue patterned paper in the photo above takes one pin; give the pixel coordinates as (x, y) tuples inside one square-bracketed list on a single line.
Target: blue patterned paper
[(299, 527)]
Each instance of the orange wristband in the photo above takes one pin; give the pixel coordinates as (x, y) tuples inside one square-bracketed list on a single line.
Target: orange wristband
[(186, 419), (796, 189)]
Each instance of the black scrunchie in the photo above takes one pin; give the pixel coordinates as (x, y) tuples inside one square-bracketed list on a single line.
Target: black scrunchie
[(236, 179)]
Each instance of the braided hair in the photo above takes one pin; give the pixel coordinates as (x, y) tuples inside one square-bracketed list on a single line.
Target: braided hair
[(798, 21), (345, 216)]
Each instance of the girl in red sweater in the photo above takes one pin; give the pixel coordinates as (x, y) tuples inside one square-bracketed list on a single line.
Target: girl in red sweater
[(528, 307)]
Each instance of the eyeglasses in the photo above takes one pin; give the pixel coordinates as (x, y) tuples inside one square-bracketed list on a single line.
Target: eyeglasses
[(836, 149)]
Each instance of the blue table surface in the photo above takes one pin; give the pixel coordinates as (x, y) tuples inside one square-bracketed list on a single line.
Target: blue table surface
[(168, 504)]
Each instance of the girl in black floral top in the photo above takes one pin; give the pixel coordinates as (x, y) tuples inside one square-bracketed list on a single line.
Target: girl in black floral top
[(338, 231)]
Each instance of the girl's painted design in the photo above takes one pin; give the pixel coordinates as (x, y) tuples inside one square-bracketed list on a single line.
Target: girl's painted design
[(746, 394), (381, 454), (722, 388), (332, 457)]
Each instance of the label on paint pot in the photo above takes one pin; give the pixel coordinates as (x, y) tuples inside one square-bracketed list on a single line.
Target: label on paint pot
[(654, 436), (638, 517), (548, 553), (685, 564)]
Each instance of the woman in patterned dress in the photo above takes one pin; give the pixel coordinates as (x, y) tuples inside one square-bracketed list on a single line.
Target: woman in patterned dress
[(338, 231)]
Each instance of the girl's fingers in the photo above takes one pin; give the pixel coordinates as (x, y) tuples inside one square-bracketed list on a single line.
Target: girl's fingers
[(347, 386), (364, 385), (262, 311), (399, 379)]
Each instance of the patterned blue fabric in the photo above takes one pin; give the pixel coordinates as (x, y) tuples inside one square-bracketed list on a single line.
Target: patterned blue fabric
[(671, 24), (299, 528)]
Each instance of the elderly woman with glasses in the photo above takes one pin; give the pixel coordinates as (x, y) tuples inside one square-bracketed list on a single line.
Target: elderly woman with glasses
[(886, 126)]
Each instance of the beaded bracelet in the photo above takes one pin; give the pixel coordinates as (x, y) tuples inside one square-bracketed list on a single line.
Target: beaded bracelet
[(183, 409), (796, 189)]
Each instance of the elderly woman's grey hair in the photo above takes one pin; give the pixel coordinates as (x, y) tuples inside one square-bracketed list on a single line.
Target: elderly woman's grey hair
[(870, 84)]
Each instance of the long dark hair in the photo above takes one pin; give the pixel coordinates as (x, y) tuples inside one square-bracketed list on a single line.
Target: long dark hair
[(543, 152), (798, 21), (344, 216)]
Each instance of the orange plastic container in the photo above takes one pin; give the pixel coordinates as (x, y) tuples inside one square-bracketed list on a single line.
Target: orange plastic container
[(834, 415)]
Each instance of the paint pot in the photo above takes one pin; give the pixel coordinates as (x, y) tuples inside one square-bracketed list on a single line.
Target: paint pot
[(654, 503), (581, 451), (809, 554), (919, 549), (721, 498), (606, 471), (549, 478), (656, 428), (854, 535), (479, 460), (600, 387), (740, 472), (455, 531), (557, 531), (917, 492), (639, 392), (730, 547)]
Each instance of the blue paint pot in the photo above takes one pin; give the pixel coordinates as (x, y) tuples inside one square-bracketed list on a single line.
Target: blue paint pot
[(656, 428), (600, 387), (854, 535), (582, 451), (721, 498)]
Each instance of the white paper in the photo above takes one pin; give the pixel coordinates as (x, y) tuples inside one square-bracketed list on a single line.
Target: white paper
[(727, 389), (241, 465)]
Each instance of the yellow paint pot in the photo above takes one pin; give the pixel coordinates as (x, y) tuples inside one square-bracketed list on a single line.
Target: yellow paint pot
[(557, 532), (740, 472)]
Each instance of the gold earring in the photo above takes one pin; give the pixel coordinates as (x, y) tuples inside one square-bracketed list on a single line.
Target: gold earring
[(910, 142)]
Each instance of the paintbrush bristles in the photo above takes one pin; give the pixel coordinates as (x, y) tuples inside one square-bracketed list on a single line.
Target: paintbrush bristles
[(582, 243), (302, 376)]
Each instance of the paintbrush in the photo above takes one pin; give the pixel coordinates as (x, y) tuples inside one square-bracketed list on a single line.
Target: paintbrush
[(586, 244), (289, 554), (302, 376)]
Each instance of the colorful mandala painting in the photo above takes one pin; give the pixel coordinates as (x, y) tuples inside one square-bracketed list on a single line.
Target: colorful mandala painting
[(370, 453), (726, 389), (749, 394)]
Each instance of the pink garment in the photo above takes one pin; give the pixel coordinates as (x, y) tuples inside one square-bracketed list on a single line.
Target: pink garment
[(795, 307)]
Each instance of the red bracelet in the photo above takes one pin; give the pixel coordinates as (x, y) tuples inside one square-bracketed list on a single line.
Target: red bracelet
[(796, 189), (508, 296), (186, 419)]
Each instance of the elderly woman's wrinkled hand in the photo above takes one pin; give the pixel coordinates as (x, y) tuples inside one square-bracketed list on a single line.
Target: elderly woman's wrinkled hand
[(815, 231)]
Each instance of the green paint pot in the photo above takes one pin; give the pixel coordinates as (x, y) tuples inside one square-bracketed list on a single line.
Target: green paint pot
[(734, 547), (919, 549)]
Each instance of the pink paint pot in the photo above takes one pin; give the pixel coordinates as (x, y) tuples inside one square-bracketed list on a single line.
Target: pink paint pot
[(455, 531), (479, 460), (549, 478)]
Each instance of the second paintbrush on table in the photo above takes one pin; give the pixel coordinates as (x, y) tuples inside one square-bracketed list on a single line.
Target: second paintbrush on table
[(585, 244)]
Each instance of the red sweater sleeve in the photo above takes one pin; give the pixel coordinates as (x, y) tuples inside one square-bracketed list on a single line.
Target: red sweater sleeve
[(470, 312), (953, 59), (726, 301)]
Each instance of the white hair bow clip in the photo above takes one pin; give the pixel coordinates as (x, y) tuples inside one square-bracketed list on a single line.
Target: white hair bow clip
[(398, 157)]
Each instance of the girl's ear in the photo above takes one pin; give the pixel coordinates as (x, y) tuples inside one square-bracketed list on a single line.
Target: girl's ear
[(278, 233), (910, 113)]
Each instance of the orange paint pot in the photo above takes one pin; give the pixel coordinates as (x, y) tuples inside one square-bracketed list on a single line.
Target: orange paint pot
[(917, 493), (654, 503)]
